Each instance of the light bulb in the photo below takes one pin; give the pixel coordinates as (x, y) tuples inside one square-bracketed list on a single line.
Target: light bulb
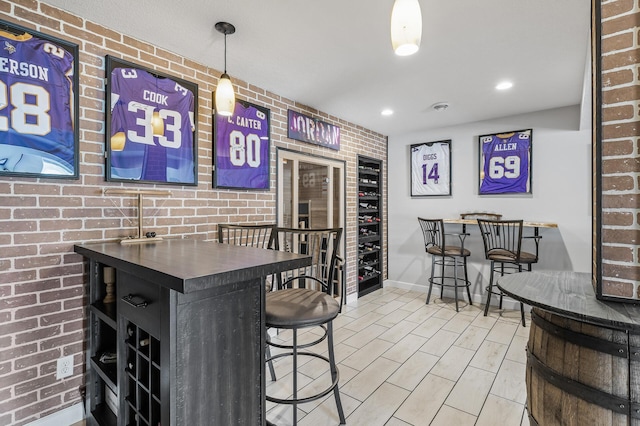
[(225, 98)]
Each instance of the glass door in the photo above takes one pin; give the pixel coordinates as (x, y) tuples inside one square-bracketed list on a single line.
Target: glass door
[(310, 191), (311, 194)]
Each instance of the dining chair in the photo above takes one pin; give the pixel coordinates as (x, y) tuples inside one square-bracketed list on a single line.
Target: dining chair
[(444, 255), (503, 247), (308, 297)]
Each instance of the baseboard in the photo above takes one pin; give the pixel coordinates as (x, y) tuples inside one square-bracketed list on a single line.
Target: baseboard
[(507, 302), (66, 416)]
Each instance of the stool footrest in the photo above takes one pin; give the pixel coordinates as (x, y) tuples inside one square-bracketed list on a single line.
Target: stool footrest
[(308, 398)]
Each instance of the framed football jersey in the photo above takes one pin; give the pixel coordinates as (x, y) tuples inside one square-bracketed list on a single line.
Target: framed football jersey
[(242, 148), (505, 163), (431, 168), (150, 126), (39, 100)]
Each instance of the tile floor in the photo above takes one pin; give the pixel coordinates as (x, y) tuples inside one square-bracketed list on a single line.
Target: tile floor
[(403, 362)]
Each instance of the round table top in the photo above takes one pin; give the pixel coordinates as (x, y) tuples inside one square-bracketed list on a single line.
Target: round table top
[(570, 294)]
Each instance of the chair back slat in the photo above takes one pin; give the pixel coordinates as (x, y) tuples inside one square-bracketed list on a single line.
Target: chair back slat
[(433, 233), (501, 237), (323, 246), (259, 236)]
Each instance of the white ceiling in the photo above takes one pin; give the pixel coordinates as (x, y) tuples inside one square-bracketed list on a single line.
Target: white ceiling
[(336, 56)]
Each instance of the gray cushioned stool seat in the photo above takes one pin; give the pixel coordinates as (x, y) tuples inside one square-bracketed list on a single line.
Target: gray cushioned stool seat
[(299, 307)]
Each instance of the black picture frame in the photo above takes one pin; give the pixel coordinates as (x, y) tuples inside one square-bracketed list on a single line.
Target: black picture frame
[(242, 148), (39, 142), (431, 168), (144, 142), (505, 162)]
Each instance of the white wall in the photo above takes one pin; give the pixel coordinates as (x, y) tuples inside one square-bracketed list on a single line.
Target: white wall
[(561, 193)]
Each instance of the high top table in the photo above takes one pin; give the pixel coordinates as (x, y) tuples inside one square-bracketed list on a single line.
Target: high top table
[(187, 327), (583, 354), (529, 224)]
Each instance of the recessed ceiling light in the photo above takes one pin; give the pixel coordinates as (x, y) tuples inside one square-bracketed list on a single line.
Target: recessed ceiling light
[(504, 85), (387, 112)]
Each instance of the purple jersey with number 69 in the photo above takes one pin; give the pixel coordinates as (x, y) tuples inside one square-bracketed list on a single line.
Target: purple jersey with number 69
[(242, 148), (152, 124), (506, 163)]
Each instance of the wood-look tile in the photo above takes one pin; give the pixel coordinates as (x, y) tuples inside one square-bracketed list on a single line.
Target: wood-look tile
[(398, 331), (509, 412), (422, 405), (502, 332), (365, 335), (471, 390), (413, 370), (364, 356), (406, 347), (510, 381), (472, 337), (452, 364), (440, 342), (448, 416), (489, 356), (379, 407), (430, 327), (369, 379), (393, 318), (517, 349)]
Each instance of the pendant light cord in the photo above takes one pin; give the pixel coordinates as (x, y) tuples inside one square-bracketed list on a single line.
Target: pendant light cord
[(225, 53)]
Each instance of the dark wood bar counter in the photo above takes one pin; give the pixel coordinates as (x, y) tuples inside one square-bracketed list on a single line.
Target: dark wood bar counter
[(583, 354), (186, 329)]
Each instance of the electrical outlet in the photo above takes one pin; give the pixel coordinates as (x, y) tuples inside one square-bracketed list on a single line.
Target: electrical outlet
[(65, 367)]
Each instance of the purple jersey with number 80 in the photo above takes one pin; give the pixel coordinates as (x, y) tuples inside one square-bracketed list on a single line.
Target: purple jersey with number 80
[(506, 163)]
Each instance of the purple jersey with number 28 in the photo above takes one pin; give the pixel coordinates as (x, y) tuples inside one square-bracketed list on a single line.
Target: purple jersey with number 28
[(506, 163), (152, 124), (36, 103)]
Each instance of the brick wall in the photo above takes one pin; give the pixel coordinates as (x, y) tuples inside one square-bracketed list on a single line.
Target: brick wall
[(42, 292), (620, 165)]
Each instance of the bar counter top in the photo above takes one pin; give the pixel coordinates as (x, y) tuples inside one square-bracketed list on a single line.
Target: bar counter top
[(188, 265)]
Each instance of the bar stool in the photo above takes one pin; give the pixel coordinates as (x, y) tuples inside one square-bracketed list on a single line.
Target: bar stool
[(502, 246), (305, 298), (445, 255)]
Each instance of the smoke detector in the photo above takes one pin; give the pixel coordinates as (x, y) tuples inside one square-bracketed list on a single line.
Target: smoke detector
[(440, 106)]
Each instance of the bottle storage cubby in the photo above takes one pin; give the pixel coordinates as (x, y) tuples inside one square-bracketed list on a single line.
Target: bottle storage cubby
[(143, 377), (369, 225)]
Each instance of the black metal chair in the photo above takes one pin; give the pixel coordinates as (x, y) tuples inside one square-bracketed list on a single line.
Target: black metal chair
[(503, 247), (445, 255), (306, 298), (259, 236)]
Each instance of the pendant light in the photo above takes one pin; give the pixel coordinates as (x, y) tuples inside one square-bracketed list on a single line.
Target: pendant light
[(406, 27), (225, 99)]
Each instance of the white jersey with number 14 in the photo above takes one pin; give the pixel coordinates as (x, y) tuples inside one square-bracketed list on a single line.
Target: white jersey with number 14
[(430, 169)]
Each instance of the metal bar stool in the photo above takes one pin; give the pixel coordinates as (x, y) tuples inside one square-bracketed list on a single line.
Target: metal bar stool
[(306, 298), (503, 247), (445, 255)]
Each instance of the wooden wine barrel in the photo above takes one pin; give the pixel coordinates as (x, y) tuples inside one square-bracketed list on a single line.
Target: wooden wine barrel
[(581, 374)]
